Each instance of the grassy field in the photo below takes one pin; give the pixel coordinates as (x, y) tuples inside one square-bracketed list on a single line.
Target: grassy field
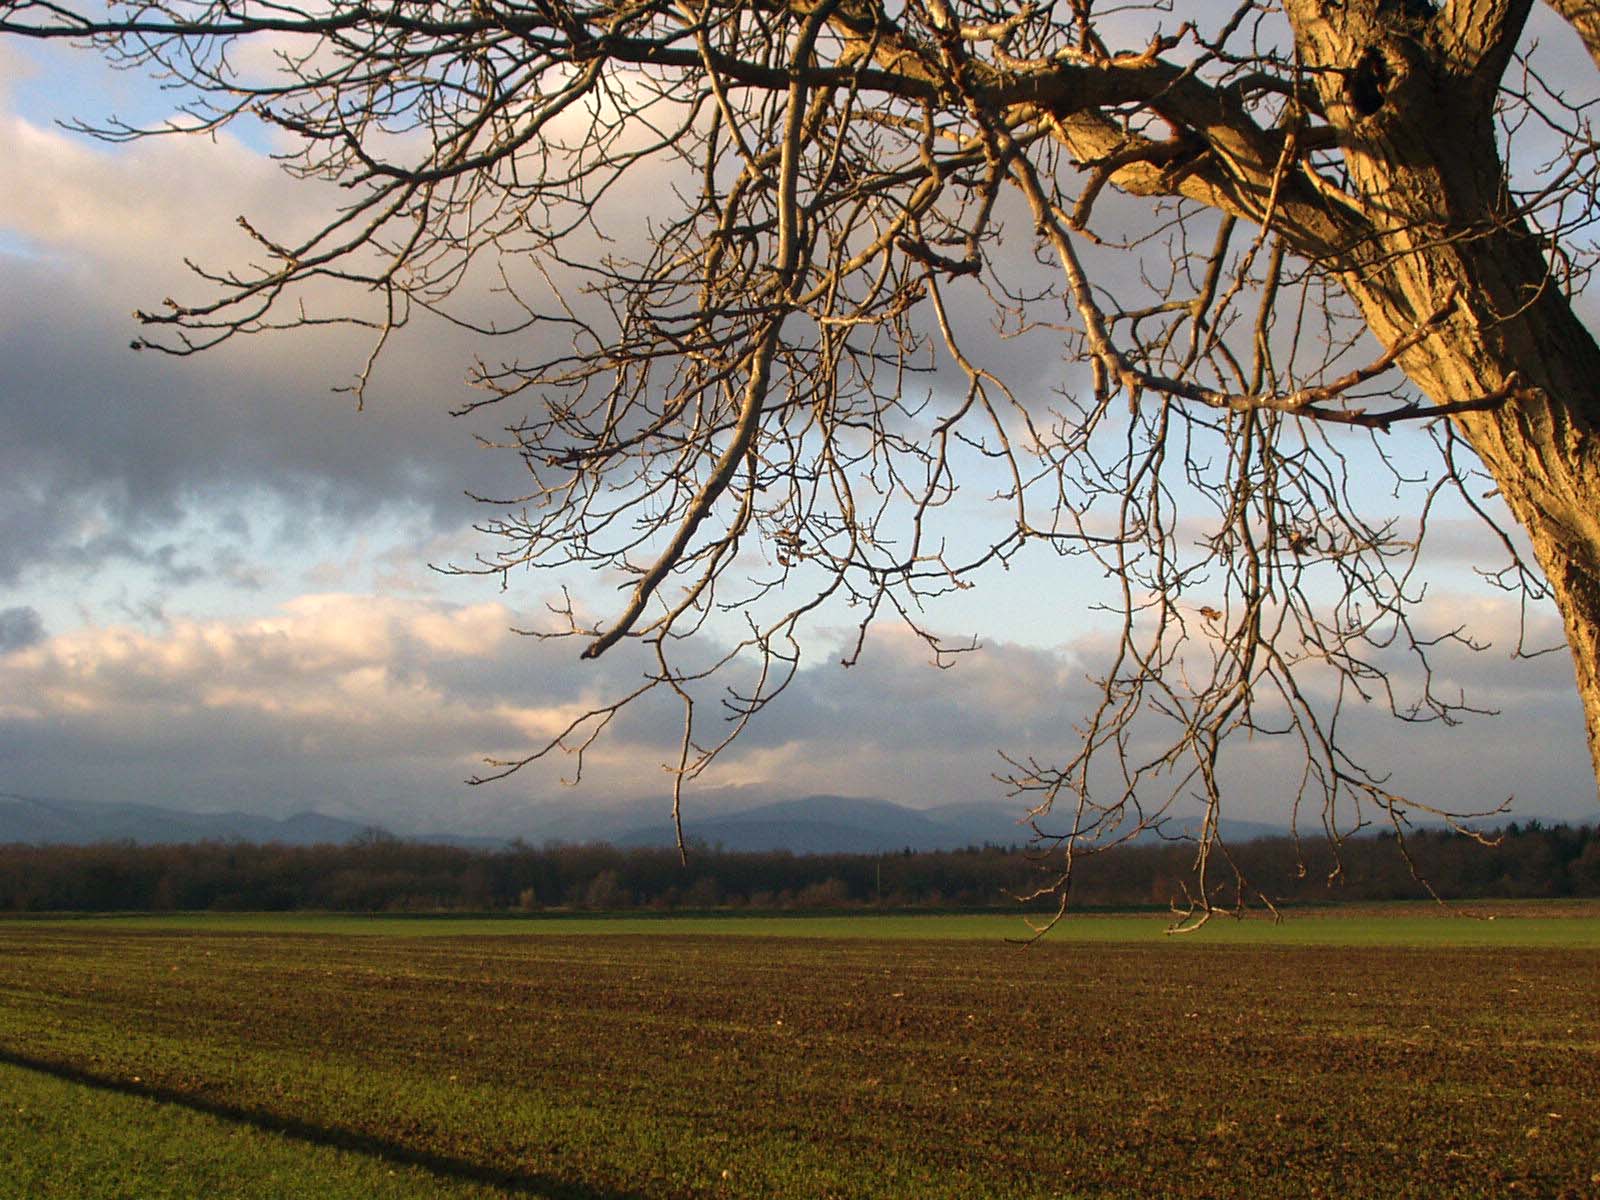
[(1351, 1056), (1514, 923)]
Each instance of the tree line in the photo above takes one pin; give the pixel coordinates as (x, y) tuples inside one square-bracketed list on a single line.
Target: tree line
[(383, 874)]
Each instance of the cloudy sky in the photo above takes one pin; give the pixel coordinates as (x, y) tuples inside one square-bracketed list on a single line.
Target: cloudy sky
[(215, 583)]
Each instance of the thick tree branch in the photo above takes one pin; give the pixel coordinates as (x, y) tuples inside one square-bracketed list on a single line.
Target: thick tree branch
[(1584, 17)]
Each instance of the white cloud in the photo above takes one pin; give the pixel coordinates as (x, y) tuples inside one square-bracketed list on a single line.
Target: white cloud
[(380, 706)]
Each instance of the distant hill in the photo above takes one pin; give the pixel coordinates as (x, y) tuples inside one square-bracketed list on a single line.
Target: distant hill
[(47, 822), (854, 825), (823, 824), (815, 825)]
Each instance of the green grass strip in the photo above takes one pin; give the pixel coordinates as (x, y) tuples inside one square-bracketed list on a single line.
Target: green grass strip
[(1409, 925), (79, 1139)]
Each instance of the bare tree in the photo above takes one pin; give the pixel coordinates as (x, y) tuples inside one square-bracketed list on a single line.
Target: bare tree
[(1262, 240)]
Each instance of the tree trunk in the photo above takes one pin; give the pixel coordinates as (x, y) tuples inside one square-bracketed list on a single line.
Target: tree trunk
[(1412, 96), (1541, 449)]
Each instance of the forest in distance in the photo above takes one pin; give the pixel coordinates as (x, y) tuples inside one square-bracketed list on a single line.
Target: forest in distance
[(378, 873)]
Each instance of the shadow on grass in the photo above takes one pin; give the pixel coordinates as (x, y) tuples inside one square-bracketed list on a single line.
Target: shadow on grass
[(393, 1152)]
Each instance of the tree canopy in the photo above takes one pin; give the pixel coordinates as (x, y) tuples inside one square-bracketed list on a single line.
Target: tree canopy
[(803, 255)]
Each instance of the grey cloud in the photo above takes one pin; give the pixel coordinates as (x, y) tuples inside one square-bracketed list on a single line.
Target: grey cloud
[(168, 562), (109, 450), (997, 697), (382, 708), (380, 705), (391, 704), (19, 628), (129, 446)]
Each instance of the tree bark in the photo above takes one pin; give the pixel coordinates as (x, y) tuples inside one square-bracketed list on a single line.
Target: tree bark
[(1411, 93)]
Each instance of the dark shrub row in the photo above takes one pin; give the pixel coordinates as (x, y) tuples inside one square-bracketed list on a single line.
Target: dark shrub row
[(384, 874)]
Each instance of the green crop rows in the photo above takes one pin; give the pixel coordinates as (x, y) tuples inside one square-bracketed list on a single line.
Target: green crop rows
[(1521, 924), (240, 1058)]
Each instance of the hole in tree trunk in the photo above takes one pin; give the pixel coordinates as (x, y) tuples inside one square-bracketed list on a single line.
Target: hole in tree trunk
[(1368, 83), (1410, 10)]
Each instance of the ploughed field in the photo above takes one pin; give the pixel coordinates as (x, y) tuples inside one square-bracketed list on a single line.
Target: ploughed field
[(223, 1061)]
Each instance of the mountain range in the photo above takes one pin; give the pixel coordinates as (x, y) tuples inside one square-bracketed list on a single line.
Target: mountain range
[(742, 822), (53, 822)]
